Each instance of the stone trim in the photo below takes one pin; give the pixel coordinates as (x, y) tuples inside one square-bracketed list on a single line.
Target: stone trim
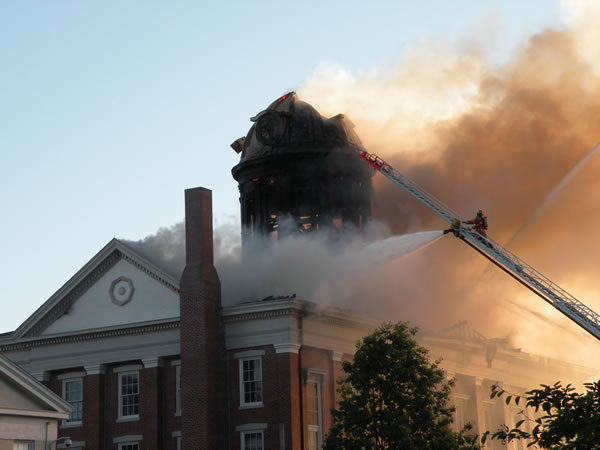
[(249, 354), (288, 347), (251, 427), (334, 355), (127, 368), (257, 315), (65, 376), (176, 434), (128, 438), (151, 363), (313, 374), (176, 362), (96, 369), (88, 336)]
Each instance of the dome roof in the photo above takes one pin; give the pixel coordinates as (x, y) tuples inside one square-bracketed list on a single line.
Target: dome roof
[(290, 125)]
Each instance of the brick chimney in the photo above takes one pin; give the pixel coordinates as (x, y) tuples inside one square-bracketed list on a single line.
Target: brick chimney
[(203, 386)]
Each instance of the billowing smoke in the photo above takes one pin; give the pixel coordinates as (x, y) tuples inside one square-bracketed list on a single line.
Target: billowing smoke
[(498, 138)]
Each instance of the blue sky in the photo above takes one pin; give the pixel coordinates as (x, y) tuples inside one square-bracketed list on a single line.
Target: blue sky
[(109, 110)]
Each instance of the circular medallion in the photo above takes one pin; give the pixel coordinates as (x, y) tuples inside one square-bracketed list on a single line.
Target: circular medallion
[(269, 128), (121, 291)]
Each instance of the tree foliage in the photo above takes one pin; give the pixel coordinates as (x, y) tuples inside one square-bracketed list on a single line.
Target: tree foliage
[(393, 397), (554, 417)]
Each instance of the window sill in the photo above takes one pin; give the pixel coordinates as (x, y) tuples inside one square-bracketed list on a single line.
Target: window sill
[(177, 414), (251, 405), (71, 424), (128, 419)]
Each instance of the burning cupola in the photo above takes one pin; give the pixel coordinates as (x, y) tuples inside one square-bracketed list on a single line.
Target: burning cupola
[(300, 172)]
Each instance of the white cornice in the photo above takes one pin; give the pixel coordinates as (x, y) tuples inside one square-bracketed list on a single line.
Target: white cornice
[(267, 309), (262, 310), (92, 334)]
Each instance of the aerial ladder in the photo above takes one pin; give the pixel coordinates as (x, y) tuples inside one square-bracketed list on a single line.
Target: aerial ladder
[(542, 286)]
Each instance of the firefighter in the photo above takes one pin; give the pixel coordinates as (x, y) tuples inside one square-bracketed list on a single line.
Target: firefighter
[(479, 223), (454, 227)]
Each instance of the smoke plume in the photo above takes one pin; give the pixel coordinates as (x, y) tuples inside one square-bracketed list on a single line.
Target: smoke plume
[(499, 138)]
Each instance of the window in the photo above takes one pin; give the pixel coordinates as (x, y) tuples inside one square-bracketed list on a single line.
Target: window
[(251, 382), (460, 408), (253, 440), (313, 410), (23, 445), (490, 415), (178, 443), (129, 397), (72, 392), (516, 416), (129, 446)]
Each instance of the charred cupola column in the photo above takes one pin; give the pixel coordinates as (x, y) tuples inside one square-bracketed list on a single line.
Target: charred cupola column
[(300, 172), (203, 400)]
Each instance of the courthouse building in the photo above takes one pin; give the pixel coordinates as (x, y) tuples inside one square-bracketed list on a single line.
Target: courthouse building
[(151, 360)]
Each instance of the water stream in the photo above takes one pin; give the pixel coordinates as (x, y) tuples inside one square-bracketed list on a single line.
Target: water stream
[(551, 196), (382, 252)]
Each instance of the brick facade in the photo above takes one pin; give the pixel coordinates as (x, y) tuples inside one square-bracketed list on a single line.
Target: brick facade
[(202, 336), (158, 418)]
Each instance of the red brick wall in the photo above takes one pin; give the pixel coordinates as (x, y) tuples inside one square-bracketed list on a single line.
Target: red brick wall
[(280, 398), (295, 401), (157, 419), (169, 421), (93, 408), (204, 409)]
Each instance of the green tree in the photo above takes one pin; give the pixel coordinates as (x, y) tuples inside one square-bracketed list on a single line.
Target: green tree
[(393, 397), (557, 416)]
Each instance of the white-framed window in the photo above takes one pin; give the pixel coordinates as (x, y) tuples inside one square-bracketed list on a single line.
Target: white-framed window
[(129, 397), (251, 391), (516, 415), (23, 445), (491, 423), (314, 413), (129, 446), (72, 392), (460, 407), (253, 440)]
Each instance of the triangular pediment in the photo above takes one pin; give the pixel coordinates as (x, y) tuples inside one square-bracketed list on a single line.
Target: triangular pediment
[(21, 394), (461, 331), (115, 288)]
